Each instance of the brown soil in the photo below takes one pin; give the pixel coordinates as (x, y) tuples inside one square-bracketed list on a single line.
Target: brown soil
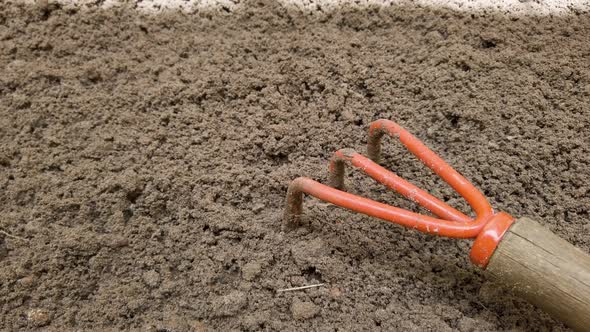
[(144, 162)]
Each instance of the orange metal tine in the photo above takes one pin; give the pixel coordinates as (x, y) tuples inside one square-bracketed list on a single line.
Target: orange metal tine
[(392, 181), (474, 197), (372, 208)]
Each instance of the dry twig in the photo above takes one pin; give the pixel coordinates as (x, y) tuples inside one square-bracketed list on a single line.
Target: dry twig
[(13, 236), (298, 288)]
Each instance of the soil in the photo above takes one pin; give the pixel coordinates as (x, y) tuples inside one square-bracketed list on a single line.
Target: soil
[(144, 161)]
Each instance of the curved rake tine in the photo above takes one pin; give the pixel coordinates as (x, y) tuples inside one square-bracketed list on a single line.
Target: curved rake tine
[(474, 197), (392, 181), (371, 208)]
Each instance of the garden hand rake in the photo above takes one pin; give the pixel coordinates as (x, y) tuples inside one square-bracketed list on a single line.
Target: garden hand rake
[(531, 260)]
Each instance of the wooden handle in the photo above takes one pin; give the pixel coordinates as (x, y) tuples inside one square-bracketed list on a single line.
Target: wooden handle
[(545, 270)]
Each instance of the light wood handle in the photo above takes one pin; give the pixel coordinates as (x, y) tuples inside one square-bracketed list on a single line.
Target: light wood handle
[(545, 270)]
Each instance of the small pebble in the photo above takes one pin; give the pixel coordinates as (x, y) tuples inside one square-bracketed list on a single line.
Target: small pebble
[(251, 270), (257, 208), (381, 315), (304, 310), (117, 242), (27, 281), (230, 304), (151, 278), (38, 317)]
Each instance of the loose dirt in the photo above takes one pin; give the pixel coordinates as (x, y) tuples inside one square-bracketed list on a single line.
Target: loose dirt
[(144, 162)]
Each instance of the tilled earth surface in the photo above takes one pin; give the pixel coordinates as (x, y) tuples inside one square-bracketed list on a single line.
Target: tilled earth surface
[(144, 162)]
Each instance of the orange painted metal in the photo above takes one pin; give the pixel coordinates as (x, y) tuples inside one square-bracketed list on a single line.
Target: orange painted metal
[(394, 182), (386, 212), (488, 239), (487, 227)]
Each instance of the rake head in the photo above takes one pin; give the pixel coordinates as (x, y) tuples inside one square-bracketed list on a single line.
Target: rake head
[(487, 228)]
